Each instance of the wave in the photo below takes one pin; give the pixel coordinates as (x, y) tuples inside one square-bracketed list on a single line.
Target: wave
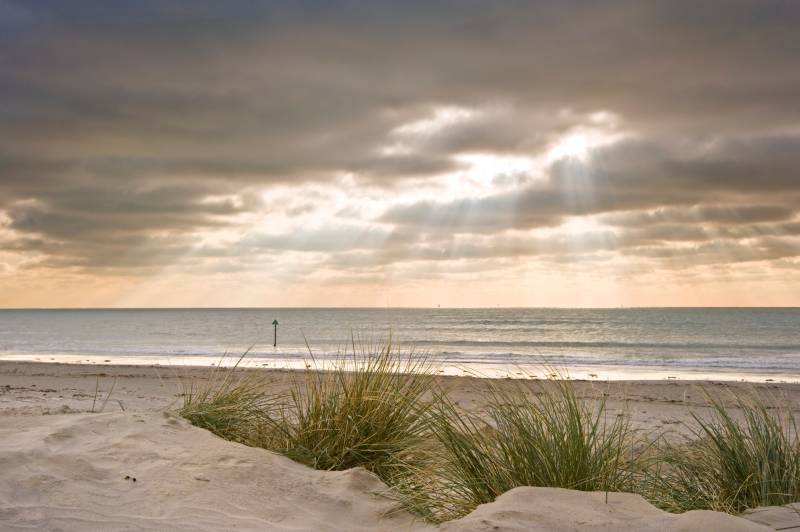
[(789, 363), (608, 344)]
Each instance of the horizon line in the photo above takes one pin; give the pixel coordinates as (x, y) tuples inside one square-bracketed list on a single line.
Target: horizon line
[(621, 307)]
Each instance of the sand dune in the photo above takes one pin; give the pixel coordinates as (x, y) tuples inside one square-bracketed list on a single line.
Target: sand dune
[(64, 469), (74, 472), (552, 509), (68, 472)]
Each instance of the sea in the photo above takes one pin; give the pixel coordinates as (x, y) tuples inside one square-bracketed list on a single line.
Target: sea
[(753, 344)]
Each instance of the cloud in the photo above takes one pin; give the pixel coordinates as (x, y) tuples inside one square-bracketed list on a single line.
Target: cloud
[(728, 214), (636, 176), (155, 135)]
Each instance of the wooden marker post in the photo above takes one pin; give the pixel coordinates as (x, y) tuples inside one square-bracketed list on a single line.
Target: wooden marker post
[(275, 342)]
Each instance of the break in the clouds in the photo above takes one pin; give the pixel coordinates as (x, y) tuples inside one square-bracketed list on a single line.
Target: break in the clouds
[(337, 153)]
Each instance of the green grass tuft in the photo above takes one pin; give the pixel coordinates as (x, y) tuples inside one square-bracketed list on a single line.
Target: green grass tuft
[(551, 439), (381, 409), (370, 411), (231, 404), (736, 461)]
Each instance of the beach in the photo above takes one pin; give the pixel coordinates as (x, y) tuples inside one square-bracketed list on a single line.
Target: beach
[(74, 437), (399, 266), (30, 388)]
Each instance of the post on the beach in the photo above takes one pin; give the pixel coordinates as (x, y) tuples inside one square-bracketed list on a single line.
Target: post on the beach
[(275, 342)]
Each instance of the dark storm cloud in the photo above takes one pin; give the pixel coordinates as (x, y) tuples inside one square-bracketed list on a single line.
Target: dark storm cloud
[(125, 121)]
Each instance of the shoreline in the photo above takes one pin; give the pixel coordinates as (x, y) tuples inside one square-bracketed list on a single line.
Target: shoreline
[(488, 370)]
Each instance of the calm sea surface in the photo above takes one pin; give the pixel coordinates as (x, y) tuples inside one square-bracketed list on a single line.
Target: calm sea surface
[(730, 343)]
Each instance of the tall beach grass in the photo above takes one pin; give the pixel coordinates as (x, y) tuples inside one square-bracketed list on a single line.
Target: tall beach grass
[(365, 409), (232, 404), (546, 437), (369, 410), (382, 409), (736, 460)]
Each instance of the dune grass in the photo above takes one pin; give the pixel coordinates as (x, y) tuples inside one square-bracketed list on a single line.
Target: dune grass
[(736, 460), (234, 410), (381, 409), (549, 438), (233, 405), (369, 411)]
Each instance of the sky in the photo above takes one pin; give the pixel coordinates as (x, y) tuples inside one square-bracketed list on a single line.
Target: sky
[(454, 153)]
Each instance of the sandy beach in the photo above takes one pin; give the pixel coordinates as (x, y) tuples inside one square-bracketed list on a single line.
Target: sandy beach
[(68, 468), (28, 388), (487, 266)]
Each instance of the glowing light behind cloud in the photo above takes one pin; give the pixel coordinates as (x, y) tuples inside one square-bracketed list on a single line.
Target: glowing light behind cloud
[(309, 155)]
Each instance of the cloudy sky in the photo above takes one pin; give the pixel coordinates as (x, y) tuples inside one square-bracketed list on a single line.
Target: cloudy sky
[(469, 153)]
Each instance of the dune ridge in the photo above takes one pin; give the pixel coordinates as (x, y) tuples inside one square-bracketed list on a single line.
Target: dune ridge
[(64, 469), (74, 472)]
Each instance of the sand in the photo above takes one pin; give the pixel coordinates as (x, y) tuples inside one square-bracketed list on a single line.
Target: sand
[(76, 472), (63, 467)]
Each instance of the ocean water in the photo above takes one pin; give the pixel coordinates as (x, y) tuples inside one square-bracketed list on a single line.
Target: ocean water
[(749, 343)]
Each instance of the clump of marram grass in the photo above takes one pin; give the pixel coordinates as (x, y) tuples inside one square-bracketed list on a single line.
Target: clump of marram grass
[(733, 462), (381, 409), (233, 406), (369, 411), (549, 439)]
